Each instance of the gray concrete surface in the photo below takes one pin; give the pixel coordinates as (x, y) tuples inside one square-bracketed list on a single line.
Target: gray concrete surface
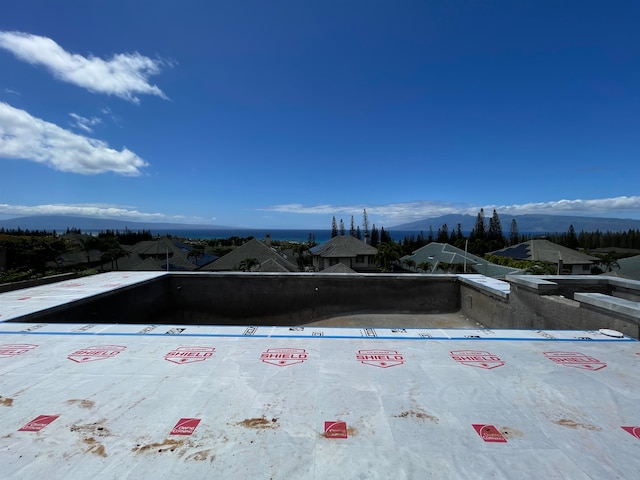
[(400, 320)]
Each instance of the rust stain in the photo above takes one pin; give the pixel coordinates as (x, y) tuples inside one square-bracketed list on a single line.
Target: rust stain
[(260, 423), (92, 429), (418, 414), (352, 431), (95, 447), (83, 403), (200, 456), (508, 432), (167, 445), (6, 401), (565, 422)]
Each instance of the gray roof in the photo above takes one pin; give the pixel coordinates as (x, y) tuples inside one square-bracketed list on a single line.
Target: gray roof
[(254, 248), (435, 253), (546, 251), (629, 267), (343, 246), (338, 268)]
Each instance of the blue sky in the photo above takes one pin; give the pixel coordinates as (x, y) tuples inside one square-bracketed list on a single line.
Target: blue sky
[(282, 114)]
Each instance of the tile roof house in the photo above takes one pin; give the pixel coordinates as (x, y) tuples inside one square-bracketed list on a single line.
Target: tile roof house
[(150, 255), (628, 267), (567, 260), (442, 256), (346, 250), (268, 259)]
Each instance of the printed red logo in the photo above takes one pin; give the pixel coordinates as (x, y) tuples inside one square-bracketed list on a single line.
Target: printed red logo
[(335, 429), (576, 360), (185, 426), (13, 349), (283, 357), (38, 423), (96, 352), (635, 431), (477, 358), (489, 433), (380, 358), (189, 354), (70, 285)]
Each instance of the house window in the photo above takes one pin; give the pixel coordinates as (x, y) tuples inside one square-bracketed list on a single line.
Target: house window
[(333, 261), (359, 258)]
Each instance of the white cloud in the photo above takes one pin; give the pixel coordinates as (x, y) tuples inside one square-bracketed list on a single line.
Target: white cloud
[(398, 213), (93, 210), (24, 137), (124, 75), (85, 123)]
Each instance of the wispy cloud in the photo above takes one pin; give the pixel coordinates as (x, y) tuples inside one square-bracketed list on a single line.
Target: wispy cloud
[(94, 210), (24, 137), (11, 92), (85, 123), (398, 213), (124, 75)]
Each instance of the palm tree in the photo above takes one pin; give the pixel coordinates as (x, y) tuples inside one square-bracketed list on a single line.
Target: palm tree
[(388, 252), (247, 264), (196, 252), (424, 266), (410, 263)]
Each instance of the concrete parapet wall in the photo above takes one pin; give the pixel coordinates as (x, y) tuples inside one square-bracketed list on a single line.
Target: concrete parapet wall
[(8, 287), (548, 303), (291, 299)]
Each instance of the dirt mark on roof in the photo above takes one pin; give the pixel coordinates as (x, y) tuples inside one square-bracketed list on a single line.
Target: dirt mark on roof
[(168, 445), (565, 422), (82, 403), (418, 413), (6, 401), (95, 447), (96, 429), (200, 456), (260, 423), (509, 432)]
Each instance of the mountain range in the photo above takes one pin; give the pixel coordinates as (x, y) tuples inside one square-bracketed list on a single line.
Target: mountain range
[(60, 223), (530, 224)]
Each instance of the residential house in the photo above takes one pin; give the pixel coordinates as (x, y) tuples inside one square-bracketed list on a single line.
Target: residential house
[(347, 250), (267, 259), (444, 258), (567, 260)]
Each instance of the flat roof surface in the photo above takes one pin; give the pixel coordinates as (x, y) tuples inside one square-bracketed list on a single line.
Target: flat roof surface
[(18, 303), (167, 401)]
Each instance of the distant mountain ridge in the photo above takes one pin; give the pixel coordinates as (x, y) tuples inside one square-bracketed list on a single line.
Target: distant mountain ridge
[(526, 224), (530, 223), (60, 223)]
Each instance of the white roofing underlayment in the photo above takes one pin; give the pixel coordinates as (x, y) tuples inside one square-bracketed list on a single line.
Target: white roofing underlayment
[(168, 401)]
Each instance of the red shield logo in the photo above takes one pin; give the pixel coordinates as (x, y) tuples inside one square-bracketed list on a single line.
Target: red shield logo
[(489, 433), (185, 426), (575, 360), (335, 429), (635, 431), (189, 354), (380, 358), (13, 349), (476, 358), (38, 423), (96, 352), (283, 357)]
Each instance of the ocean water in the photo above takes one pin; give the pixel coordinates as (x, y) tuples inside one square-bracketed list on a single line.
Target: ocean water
[(320, 236)]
